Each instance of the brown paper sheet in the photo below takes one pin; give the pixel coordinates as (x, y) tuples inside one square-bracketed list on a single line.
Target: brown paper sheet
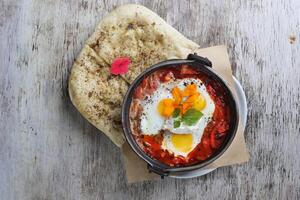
[(136, 168)]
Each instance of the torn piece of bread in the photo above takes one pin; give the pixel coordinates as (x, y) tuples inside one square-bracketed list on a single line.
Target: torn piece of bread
[(132, 31)]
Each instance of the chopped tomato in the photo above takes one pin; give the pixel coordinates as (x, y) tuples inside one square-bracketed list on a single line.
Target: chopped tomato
[(151, 142), (186, 70), (213, 140), (139, 93)]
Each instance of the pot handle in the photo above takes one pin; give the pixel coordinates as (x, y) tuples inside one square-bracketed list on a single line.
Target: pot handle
[(157, 171), (200, 59)]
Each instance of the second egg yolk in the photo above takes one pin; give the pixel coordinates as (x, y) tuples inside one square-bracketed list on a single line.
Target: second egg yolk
[(182, 142)]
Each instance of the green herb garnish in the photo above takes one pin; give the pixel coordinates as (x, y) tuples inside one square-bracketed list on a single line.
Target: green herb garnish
[(191, 116), (176, 123), (176, 113)]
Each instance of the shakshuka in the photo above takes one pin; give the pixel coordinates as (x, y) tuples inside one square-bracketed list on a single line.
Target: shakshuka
[(179, 116)]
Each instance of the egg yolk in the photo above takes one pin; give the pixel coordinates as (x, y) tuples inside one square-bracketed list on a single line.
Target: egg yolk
[(182, 142), (200, 103), (166, 107)]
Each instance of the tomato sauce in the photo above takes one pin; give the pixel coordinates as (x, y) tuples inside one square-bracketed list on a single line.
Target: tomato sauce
[(214, 133)]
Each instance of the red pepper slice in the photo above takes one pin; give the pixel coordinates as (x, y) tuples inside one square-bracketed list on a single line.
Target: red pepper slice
[(152, 143), (213, 140)]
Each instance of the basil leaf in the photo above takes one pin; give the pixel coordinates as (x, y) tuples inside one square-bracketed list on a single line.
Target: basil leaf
[(191, 116), (176, 123), (176, 112)]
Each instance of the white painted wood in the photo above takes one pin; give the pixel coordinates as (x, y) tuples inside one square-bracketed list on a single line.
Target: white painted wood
[(48, 151)]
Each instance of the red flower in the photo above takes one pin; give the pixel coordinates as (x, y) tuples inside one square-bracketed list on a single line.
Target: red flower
[(120, 66)]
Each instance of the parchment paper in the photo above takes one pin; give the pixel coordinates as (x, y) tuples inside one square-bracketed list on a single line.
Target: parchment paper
[(136, 168)]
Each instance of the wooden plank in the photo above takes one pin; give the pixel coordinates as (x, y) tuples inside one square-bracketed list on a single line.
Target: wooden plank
[(48, 151)]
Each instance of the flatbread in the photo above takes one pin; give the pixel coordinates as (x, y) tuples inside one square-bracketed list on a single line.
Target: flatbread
[(132, 31)]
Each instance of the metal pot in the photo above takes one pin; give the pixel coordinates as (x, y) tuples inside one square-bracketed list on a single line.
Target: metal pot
[(204, 66)]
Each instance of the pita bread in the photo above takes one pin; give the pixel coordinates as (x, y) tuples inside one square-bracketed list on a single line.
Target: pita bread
[(132, 31)]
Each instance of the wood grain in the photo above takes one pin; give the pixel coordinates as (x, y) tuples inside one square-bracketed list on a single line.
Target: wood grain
[(48, 151)]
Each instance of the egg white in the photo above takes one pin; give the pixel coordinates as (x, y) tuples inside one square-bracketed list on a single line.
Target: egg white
[(151, 121)]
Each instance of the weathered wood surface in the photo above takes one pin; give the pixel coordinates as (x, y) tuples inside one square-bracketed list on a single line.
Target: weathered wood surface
[(48, 151)]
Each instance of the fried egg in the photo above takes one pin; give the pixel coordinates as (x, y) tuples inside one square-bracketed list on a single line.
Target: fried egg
[(151, 121), (183, 139)]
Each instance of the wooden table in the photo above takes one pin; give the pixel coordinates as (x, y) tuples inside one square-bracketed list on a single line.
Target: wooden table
[(48, 151)]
